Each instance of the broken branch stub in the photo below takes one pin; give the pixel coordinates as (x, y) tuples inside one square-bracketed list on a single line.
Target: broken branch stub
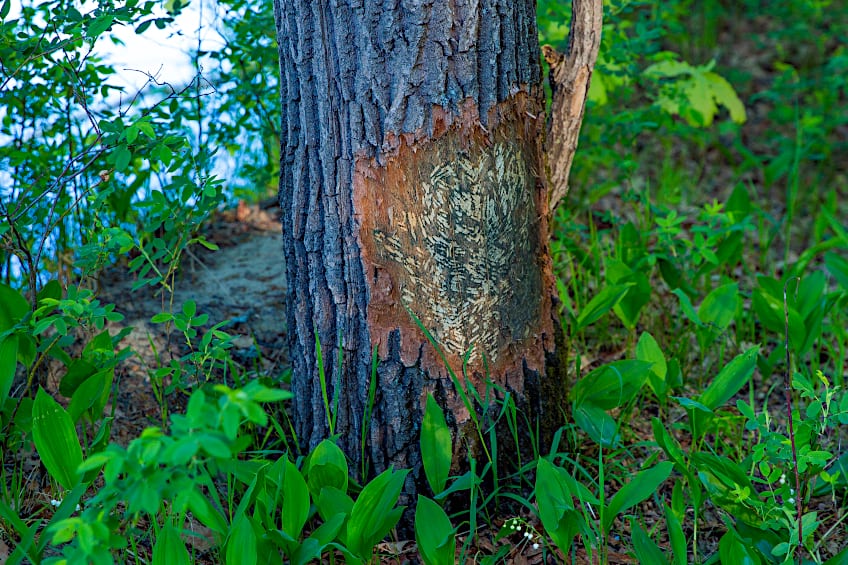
[(569, 77)]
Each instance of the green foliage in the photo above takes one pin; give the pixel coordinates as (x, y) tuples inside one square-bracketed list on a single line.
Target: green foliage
[(56, 440), (434, 534), (436, 446)]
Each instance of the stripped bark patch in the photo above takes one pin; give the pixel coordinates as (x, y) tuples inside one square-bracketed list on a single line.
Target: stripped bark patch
[(453, 228)]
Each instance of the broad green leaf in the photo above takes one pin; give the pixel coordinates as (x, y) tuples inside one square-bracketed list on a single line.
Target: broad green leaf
[(699, 95), (169, 548), (436, 446), (556, 509), (8, 365), (56, 439), (644, 547), (690, 404), (295, 501), (602, 303), (597, 423), (612, 385), (51, 290), (314, 545), (725, 95), (668, 69), (630, 306), (332, 501), (647, 349), (99, 25), (667, 443), (839, 559), (676, 537), (729, 487), (92, 394), (122, 158), (434, 533), (837, 266), (769, 311), (686, 306), (374, 514), (326, 467), (242, 542), (206, 513), (730, 379), (640, 487), (719, 307), (466, 481), (189, 308), (731, 550), (13, 307)]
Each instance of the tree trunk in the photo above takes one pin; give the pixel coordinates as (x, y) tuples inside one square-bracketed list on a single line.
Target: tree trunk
[(413, 181)]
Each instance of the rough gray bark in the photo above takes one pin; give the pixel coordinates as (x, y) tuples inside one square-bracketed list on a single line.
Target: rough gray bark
[(412, 179)]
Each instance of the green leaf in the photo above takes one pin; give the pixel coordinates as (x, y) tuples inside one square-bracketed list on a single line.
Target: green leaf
[(312, 546), (145, 128), (52, 291), (647, 349), (189, 308), (556, 509), (601, 303), (644, 547), (242, 542), (667, 443), (612, 385), (122, 157), (725, 95), (99, 25), (676, 537), (731, 550), (640, 487), (206, 513), (332, 501), (295, 501), (373, 514), (699, 95), (666, 69), (719, 307), (8, 365), (436, 446), (597, 423), (434, 533), (326, 467), (730, 379), (162, 317), (837, 266), (92, 394), (13, 307), (169, 548), (686, 306), (56, 439)]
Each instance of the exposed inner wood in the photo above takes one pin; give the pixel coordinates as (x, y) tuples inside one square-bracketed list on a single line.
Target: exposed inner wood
[(453, 228)]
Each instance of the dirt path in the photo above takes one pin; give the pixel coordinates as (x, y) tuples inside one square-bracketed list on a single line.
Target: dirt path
[(243, 282)]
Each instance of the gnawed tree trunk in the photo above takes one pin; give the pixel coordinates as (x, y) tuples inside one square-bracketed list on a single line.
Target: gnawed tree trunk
[(413, 179)]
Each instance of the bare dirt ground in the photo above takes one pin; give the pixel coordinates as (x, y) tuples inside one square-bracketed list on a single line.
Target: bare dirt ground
[(242, 283)]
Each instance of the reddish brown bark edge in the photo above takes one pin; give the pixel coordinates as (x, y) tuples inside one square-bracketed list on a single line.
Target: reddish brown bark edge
[(453, 226)]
